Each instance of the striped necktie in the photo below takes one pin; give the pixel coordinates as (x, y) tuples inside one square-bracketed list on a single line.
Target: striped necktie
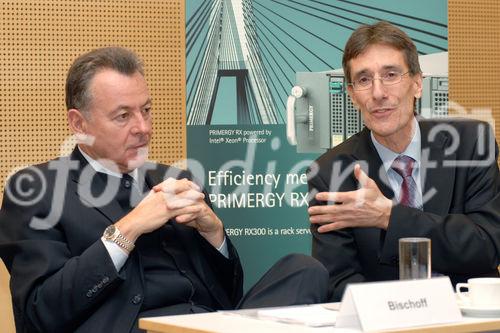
[(403, 165)]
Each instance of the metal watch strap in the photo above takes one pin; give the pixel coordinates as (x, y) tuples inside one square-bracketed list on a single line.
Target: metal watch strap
[(113, 234), (123, 242)]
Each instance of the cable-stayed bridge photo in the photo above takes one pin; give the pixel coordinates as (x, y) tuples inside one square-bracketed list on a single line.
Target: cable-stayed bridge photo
[(242, 55)]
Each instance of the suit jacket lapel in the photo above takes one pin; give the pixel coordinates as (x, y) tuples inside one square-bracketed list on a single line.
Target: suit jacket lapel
[(366, 151), (438, 180), (87, 181)]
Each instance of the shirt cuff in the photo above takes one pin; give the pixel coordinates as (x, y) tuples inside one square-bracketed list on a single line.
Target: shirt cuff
[(117, 254), (223, 248)]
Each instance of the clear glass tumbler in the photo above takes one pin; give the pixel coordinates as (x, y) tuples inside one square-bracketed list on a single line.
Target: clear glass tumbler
[(414, 258)]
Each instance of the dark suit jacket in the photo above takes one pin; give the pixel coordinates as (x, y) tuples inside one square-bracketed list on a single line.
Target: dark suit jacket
[(461, 216), (62, 277)]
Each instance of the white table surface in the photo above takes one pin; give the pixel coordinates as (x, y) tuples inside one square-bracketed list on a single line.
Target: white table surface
[(246, 321)]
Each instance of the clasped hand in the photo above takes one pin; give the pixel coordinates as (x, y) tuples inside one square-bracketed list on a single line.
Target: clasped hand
[(185, 202), (178, 199), (365, 207)]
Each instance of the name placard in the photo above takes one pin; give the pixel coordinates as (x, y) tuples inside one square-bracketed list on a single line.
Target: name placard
[(398, 304)]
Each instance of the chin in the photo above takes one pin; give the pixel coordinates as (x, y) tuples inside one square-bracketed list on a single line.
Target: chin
[(139, 159), (382, 131)]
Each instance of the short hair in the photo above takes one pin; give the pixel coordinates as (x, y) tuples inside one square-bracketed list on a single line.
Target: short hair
[(380, 33), (86, 66)]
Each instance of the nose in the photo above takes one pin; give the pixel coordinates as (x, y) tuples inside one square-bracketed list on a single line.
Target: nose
[(378, 89), (141, 124)]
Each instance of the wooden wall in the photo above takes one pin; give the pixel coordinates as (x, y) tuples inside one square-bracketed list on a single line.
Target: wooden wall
[(474, 58), (39, 41)]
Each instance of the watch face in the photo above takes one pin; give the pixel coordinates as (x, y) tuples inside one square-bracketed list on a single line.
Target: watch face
[(109, 231)]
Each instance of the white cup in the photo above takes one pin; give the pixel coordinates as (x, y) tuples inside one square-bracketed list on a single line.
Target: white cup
[(483, 292)]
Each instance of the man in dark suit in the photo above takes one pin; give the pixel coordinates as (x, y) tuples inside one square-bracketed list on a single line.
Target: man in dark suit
[(98, 239), (402, 176)]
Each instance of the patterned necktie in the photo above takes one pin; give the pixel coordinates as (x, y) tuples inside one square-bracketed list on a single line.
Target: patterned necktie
[(403, 165)]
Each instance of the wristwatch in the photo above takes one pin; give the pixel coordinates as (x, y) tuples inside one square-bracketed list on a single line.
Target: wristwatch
[(112, 234)]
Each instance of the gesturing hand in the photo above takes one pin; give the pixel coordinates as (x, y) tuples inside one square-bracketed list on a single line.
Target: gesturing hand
[(365, 207)]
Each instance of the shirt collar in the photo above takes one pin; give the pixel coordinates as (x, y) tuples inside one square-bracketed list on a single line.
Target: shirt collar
[(98, 167), (413, 150)]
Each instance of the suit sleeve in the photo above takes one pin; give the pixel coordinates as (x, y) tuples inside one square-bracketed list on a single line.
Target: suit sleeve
[(466, 241), (52, 289), (336, 250)]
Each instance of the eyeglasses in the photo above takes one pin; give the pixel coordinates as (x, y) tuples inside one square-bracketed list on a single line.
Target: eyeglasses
[(388, 79)]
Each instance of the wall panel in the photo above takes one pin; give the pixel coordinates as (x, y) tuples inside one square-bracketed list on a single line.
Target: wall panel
[(474, 57), (38, 41)]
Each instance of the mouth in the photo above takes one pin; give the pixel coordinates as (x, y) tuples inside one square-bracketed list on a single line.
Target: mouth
[(383, 111), (140, 146)]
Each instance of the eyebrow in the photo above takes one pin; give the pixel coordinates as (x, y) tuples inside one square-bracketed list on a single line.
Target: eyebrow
[(384, 68), (149, 101), (126, 107)]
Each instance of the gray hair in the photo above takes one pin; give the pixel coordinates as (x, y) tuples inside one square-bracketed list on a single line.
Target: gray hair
[(86, 66)]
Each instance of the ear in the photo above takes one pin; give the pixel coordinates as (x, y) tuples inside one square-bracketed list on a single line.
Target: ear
[(77, 122), (417, 79)]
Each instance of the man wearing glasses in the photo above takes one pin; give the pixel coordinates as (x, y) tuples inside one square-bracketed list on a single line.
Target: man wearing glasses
[(402, 176)]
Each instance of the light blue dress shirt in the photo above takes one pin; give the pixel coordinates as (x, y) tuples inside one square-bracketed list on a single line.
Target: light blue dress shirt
[(388, 156)]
